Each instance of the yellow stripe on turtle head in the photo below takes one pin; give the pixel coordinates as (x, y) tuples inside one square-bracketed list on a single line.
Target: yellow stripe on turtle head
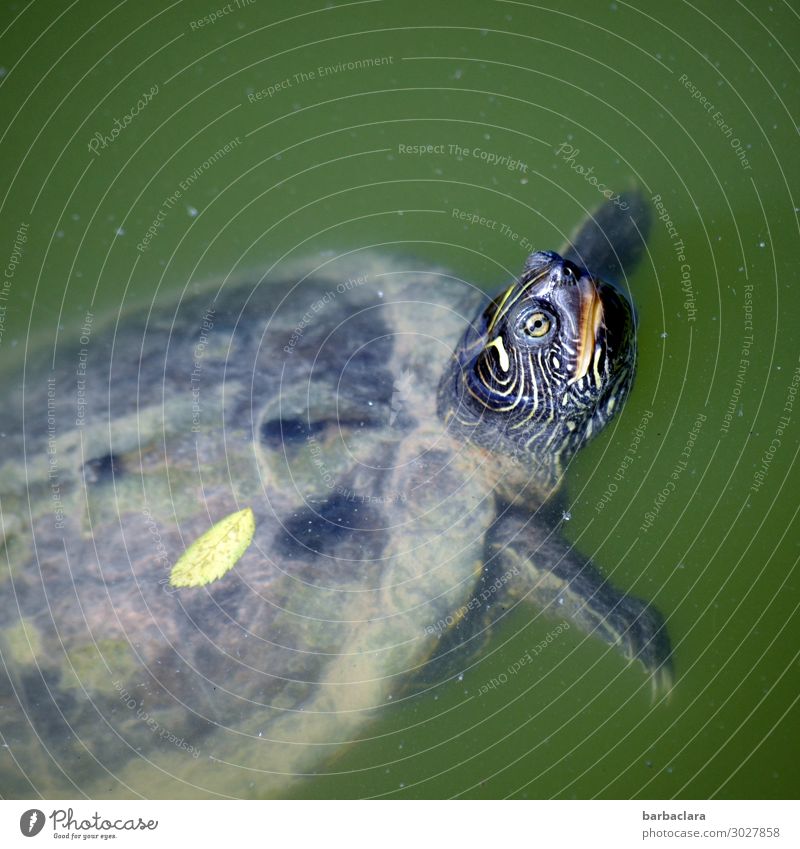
[(518, 290), (505, 363), (498, 312)]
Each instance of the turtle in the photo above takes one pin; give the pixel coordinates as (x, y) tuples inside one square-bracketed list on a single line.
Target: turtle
[(399, 438)]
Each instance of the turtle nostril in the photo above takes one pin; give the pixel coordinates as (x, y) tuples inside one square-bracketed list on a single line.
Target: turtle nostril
[(569, 274)]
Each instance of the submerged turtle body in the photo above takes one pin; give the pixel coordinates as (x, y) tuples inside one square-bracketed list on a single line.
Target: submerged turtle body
[(397, 435)]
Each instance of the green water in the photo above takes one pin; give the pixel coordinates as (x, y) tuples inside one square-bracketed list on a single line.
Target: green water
[(693, 105)]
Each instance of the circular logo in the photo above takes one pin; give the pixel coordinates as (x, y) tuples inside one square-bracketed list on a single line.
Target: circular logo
[(31, 822)]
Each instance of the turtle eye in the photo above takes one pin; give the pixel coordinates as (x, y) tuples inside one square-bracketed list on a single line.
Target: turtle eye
[(536, 324)]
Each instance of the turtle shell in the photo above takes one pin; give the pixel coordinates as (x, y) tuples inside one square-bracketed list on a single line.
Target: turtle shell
[(311, 402)]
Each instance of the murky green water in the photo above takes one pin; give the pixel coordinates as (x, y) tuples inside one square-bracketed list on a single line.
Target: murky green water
[(254, 140)]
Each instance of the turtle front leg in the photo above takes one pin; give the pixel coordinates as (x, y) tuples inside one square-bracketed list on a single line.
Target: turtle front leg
[(554, 577)]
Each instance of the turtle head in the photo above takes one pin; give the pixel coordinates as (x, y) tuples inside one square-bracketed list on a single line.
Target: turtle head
[(544, 367)]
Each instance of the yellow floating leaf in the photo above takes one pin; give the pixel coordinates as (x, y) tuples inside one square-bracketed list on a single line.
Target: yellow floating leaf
[(216, 552)]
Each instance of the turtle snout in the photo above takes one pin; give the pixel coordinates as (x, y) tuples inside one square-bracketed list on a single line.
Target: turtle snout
[(559, 271), (539, 261)]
